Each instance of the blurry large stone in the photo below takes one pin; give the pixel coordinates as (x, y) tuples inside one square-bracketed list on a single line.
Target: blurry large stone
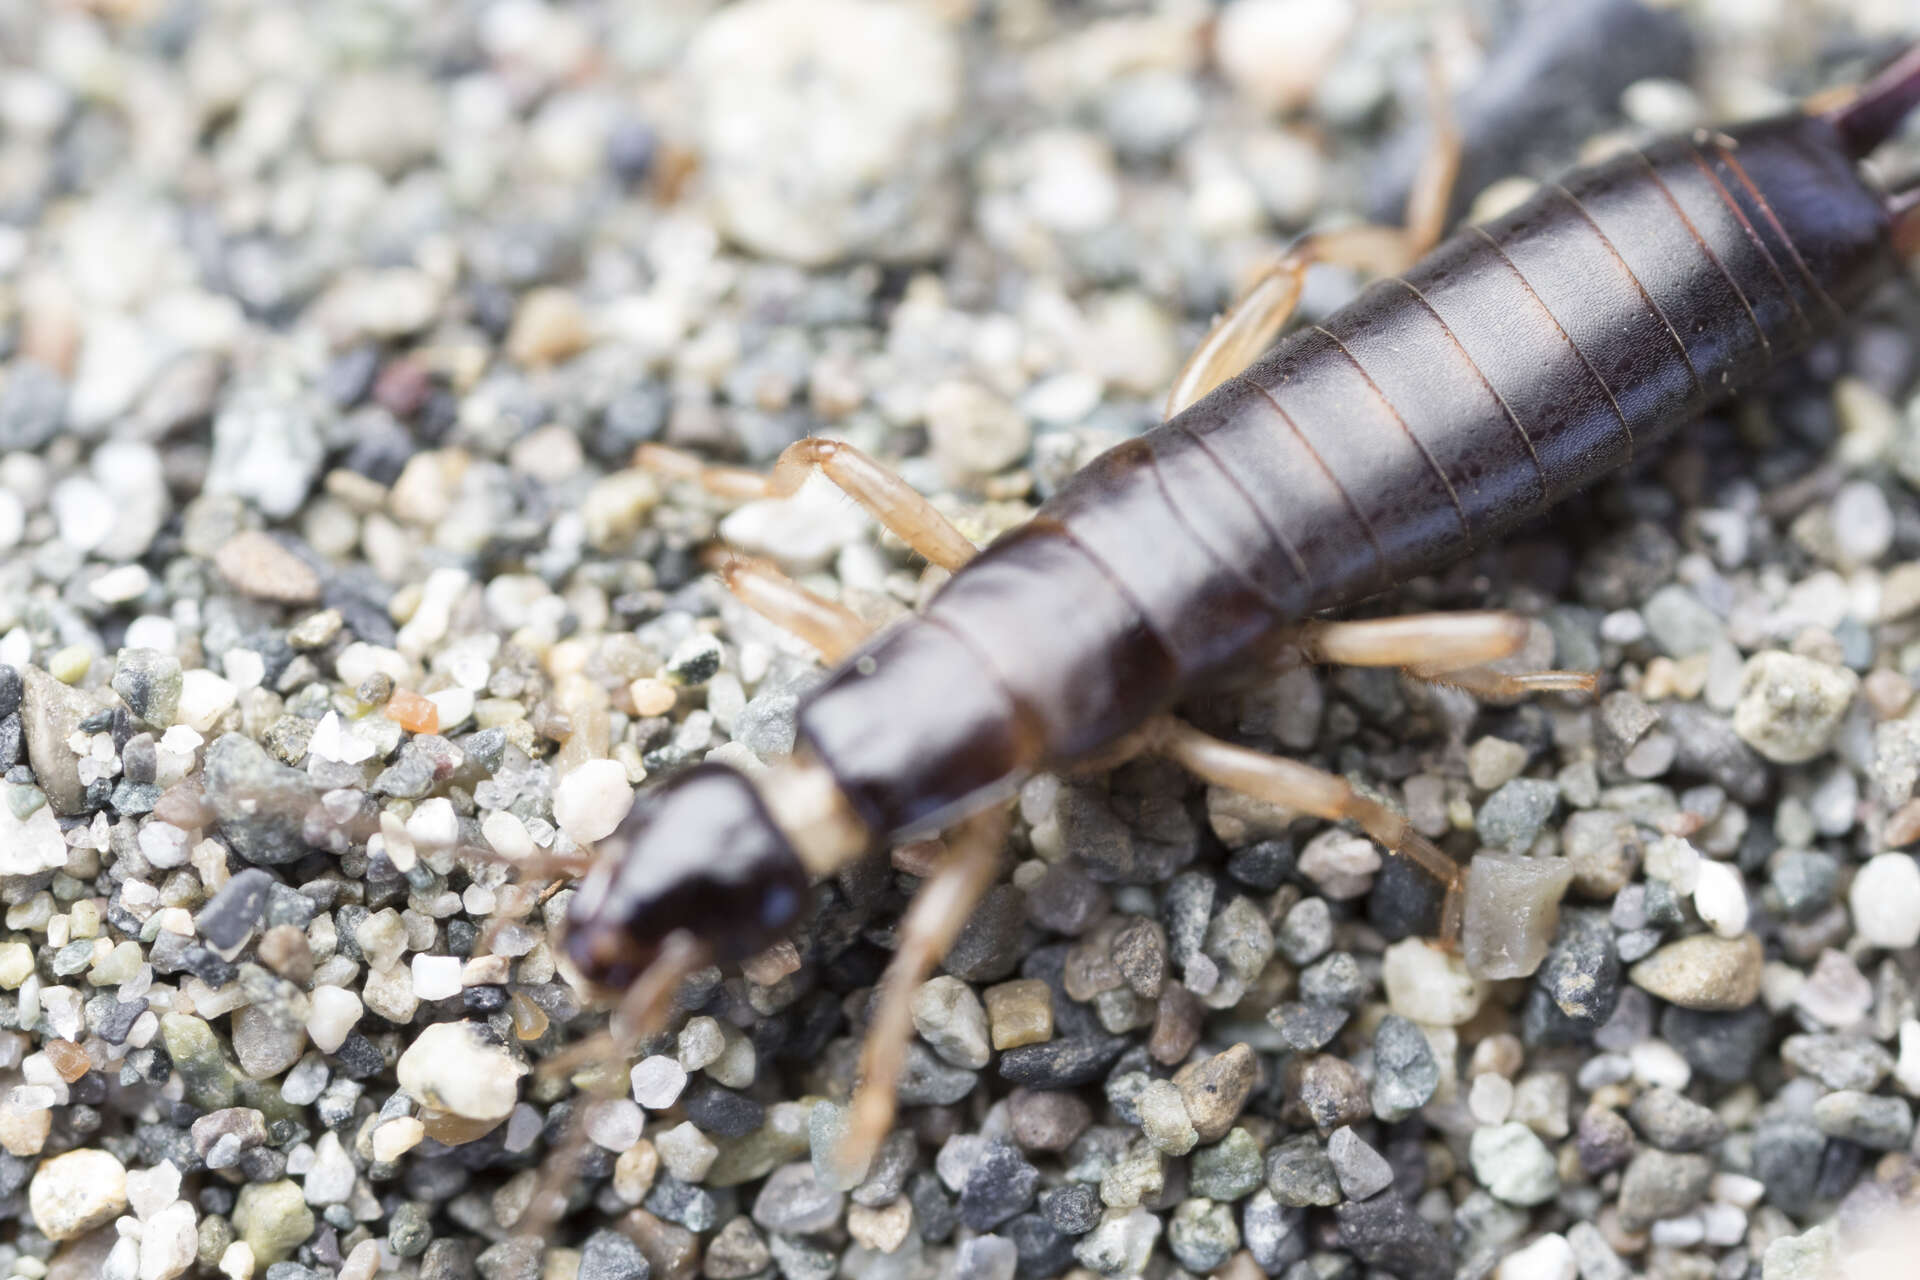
[(824, 127)]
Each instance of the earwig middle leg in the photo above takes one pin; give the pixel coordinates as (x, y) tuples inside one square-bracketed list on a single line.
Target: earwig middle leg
[(897, 505), (1249, 326), (934, 920), (1314, 792)]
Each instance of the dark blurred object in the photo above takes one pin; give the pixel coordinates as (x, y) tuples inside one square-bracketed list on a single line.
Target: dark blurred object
[(1550, 81)]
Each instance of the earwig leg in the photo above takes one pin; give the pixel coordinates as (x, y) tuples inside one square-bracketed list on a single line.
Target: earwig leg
[(1434, 642), (931, 924), (1250, 325), (835, 630), (1444, 648), (897, 505), (1304, 789), (1244, 330), (1255, 319)]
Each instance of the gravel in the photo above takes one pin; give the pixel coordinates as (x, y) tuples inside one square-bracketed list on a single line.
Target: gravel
[(336, 618)]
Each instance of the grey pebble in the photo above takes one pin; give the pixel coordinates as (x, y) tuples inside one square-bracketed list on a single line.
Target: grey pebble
[(1674, 1122), (1362, 1171), (793, 1201), (1661, 1184), (1512, 816), (608, 1255), (1300, 1173)]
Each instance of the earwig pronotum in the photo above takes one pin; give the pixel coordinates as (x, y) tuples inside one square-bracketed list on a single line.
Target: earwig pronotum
[(1513, 364)]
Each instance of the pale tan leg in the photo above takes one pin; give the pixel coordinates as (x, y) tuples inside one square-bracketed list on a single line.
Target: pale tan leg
[(1444, 648), (835, 630), (897, 505), (1255, 319), (1304, 789), (939, 910)]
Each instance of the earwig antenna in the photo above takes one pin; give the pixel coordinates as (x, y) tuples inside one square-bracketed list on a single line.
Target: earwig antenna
[(1877, 110)]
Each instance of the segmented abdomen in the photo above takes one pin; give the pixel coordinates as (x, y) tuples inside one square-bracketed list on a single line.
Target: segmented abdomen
[(1517, 363)]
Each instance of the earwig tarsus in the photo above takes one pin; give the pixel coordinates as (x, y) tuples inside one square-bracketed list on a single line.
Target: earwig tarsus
[(1519, 361)]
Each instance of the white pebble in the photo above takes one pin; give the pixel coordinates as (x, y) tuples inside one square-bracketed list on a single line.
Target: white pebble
[(204, 698), (169, 1242), (454, 706), (1548, 1258), (658, 1080), (1723, 1224), (332, 1015), (1720, 896), (395, 1138), (1490, 1100), (117, 586), (614, 1123), (163, 844), (436, 977), (1658, 1065), (1674, 860), (590, 802), (151, 1190), (1886, 901), (686, 1152), (457, 1067), (507, 834), (1906, 1073), (236, 1261), (434, 825), (1428, 984), (1682, 1232)]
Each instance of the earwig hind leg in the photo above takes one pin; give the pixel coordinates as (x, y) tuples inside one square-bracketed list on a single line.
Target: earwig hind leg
[(1443, 648), (931, 924), (1314, 792), (880, 491), (835, 630), (1249, 326)]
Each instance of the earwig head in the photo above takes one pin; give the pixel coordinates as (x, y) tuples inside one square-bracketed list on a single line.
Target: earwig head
[(700, 854)]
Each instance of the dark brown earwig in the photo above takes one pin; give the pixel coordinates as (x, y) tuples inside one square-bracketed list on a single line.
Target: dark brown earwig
[(1516, 363)]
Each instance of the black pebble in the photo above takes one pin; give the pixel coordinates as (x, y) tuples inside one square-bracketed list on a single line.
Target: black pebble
[(1044, 1250), (1061, 1064), (720, 1111), (1000, 1185), (357, 1058)]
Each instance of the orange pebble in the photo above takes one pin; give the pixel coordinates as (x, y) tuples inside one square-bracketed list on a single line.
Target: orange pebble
[(414, 713), (68, 1059)]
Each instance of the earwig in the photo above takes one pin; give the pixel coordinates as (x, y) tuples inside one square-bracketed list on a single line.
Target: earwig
[(1515, 363)]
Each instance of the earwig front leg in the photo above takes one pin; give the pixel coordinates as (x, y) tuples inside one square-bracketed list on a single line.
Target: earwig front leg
[(931, 924), (835, 630), (1314, 792), (1255, 319), (897, 505), (1443, 648)]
